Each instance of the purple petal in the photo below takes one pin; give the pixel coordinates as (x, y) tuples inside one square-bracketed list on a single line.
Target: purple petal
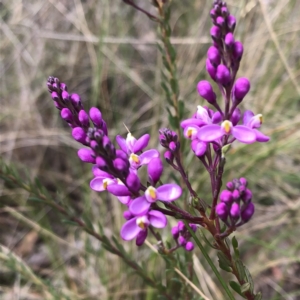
[(157, 219), (139, 206), (118, 190), (130, 230), (168, 192), (260, 137), (210, 133), (192, 121), (97, 184), (147, 156), (99, 173), (124, 200), (191, 132), (248, 114), (122, 143), (217, 117), (244, 134), (141, 143)]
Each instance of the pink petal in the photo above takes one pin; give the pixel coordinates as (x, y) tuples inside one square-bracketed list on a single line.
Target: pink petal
[(192, 121), (118, 190), (139, 206), (243, 134), (248, 114), (157, 219), (125, 199), (141, 143), (168, 192), (97, 184), (130, 230), (146, 156), (260, 137), (210, 133), (99, 173), (122, 143)]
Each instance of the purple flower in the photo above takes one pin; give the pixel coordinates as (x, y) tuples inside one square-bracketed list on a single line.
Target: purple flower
[(137, 226), (166, 193), (131, 144), (254, 121), (210, 133)]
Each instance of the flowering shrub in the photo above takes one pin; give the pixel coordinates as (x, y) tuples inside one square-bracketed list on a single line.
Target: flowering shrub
[(212, 129)]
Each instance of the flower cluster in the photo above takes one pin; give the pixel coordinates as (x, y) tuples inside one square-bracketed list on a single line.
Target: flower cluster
[(236, 207), (210, 129), (116, 170), (182, 235)]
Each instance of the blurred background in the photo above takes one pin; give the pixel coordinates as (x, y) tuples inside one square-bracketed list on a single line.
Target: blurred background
[(106, 51)]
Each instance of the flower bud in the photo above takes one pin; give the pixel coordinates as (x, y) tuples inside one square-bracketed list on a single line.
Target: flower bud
[(226, 196), (65, 96), (243, 181), (141, 237), (240, 90), (211, 70), (205, 90), (120, 164), (182, 241), (66, 115), (248, 212), (175, 232), (213, 55), (238, 50), (236, 116), (173, 146), (155, 169), (84, 118), (169, 157), (76, 101), (55, 96), (230, 186), (236, 195), (220, 21), (79, 135), (189, 246), (87, 155), (231, 21), (215, 33), (223, 75), (96, 116), (193, 227), (247, 196), (133, 182), (235, 211), (121, 154), (101, 163), (229, 40), (181, 226), (222, 211)]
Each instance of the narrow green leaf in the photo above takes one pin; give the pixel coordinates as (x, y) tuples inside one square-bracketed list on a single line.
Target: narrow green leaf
[(68, 222), (36, 199), (249, 279), (87, 221), (181, 109), (174, 86), (240, 268), (235, 243)]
